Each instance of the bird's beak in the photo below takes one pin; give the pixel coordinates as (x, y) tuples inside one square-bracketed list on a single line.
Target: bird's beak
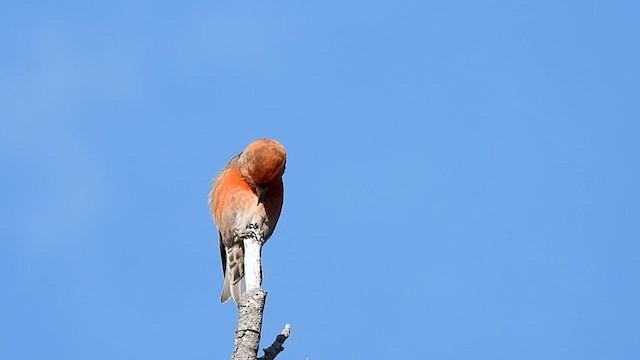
[(261, 191)]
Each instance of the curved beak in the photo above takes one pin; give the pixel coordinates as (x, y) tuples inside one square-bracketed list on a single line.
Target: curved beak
[(261, 191)]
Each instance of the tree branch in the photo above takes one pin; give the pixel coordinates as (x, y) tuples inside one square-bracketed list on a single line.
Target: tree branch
[(253, 260), (250, 309), (247, 340), (251, 306), (276, 348)]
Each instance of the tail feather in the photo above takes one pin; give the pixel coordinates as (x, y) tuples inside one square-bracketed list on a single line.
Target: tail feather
[(234, 273), (226, 291)]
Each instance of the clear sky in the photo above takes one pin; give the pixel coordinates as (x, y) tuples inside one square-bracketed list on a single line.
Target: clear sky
[(462, 180)]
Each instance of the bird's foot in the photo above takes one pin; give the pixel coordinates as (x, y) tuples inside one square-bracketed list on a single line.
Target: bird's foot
[(251, 231)]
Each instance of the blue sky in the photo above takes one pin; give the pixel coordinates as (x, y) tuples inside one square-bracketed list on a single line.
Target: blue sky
[(462, 180)]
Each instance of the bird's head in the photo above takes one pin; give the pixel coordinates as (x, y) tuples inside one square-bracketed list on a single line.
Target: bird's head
[(262, 163)]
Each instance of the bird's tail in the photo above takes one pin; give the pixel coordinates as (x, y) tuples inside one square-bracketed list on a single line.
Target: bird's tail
[(234, 273)]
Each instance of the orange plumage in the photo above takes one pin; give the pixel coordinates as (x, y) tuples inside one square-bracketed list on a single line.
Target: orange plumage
[(247, 193)]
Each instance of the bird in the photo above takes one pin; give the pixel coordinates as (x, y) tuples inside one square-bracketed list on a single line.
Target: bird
[(246, 196)]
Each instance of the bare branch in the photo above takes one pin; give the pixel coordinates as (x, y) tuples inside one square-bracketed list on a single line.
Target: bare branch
[(253, 260), (250, 309), (276, 348), (251, 306)]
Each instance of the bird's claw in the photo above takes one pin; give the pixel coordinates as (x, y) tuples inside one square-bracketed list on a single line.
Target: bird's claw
[(251, 231)]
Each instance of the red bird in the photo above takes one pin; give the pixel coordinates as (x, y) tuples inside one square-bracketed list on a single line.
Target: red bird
[(246, 196)]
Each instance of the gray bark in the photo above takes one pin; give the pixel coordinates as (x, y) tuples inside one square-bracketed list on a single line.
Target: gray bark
[(250, 309), (247, 339)]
